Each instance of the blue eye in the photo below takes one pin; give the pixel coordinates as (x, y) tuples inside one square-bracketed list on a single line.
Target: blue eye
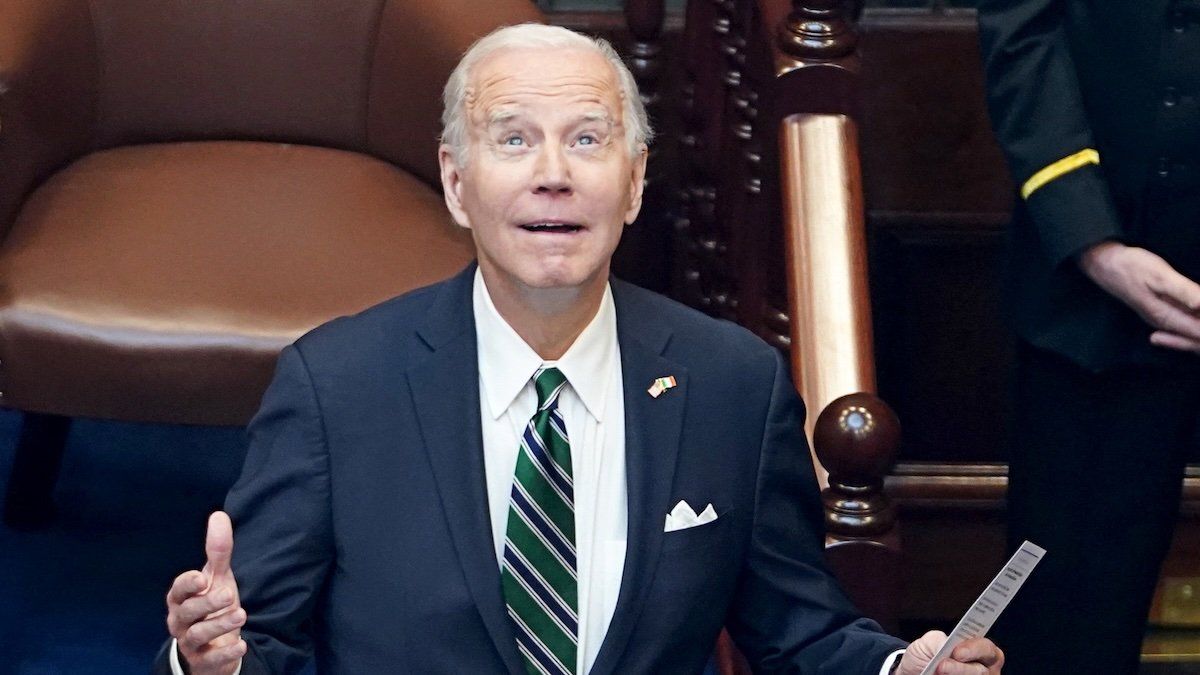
[(514, 140), (587, 140)]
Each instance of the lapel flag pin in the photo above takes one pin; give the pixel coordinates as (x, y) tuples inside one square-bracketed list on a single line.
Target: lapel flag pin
[(660, 385)]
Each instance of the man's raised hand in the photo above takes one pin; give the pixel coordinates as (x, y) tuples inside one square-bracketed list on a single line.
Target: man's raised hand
[(204, 613)]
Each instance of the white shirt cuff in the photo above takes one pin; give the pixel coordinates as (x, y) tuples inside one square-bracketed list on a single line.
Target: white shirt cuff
[(177, 669), (888, 663)]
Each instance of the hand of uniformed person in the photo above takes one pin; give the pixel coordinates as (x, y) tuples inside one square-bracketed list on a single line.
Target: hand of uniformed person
[(204, 613), (978, 656), (1165, 299)]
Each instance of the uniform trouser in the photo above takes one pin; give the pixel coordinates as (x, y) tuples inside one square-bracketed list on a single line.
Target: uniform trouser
[(1095, 476)]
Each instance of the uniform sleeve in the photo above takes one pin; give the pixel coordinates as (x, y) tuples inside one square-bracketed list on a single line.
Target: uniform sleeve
[(1039, 119), (789, 614), (280, 507)]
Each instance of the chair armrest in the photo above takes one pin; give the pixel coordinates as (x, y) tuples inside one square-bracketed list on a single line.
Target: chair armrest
[(48, 84), (418, 45)]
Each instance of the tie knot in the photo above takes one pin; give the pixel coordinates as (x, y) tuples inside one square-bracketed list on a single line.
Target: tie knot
[(548, 382)]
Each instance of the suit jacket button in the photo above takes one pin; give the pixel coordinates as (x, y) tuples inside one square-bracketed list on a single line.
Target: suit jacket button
[(1170, 96)]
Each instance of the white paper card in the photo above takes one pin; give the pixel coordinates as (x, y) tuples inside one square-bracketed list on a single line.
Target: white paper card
[(979, 618)]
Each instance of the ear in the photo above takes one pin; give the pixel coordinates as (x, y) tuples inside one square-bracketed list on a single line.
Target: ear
[(452, 184), (637, 184)]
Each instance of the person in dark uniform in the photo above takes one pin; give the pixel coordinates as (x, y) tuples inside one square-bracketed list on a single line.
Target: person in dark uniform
[(1096, 104)]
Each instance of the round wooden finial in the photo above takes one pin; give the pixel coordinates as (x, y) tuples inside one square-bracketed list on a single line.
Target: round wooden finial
[(817, 30), (856, 438)]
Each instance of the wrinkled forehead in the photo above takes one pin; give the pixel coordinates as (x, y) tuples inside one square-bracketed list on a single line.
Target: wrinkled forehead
[(513, 80)]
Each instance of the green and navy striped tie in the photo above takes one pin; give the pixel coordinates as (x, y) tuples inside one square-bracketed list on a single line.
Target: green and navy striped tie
[(539, 571)]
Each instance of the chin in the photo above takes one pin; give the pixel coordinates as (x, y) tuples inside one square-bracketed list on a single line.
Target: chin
[(558, 279), (550, 282)]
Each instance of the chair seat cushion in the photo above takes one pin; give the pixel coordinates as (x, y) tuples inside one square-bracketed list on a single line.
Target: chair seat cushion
[(160, 282)]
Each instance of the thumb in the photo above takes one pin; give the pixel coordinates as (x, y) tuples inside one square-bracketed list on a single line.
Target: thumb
[(218, 543), (929, 644)]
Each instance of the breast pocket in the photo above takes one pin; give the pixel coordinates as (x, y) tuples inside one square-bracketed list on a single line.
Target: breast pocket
[(700, 537)]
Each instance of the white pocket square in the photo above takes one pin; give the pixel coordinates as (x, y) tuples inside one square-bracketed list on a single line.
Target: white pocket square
[(682, 517)]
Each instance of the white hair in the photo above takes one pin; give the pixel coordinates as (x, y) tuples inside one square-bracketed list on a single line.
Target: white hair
[(454, 123)]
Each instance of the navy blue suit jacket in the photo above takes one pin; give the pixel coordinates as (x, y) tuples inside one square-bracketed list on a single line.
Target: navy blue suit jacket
[(361, 524)]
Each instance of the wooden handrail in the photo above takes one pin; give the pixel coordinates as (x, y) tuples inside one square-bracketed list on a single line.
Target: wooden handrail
[(825, 245)]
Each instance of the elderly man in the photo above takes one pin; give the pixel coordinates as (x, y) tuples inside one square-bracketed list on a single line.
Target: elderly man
[(529, 468)]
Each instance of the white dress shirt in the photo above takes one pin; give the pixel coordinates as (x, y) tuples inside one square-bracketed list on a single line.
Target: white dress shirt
[(593, 407)]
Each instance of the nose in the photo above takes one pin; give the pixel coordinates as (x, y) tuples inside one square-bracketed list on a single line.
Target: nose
[(553, 175)]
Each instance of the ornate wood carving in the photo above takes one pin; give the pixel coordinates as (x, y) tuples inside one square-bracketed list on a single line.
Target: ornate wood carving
[(705, 277), (645, 20), (645, 60)]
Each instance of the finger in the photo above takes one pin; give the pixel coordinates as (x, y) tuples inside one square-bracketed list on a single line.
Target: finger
[(953, 666), (928, 644), (224, 656), (1170, 317), (976, 650), (1174, 341), (202, 607), (1180, 290), (185, 586), (218, 543), (204, 632)]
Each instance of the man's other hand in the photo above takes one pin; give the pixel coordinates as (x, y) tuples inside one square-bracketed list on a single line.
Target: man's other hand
[(1165, 299), (204, 613), (978, 656)]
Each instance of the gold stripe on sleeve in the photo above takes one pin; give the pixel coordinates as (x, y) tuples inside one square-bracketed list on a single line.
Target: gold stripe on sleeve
[(1063, 166)]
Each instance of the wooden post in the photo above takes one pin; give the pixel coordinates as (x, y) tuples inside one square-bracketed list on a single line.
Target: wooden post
[(857, 437)]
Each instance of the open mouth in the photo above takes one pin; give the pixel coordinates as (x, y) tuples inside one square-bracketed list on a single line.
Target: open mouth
[(554, 228)]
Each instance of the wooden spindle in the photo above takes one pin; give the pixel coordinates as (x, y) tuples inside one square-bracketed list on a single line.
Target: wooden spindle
[(645, 21)]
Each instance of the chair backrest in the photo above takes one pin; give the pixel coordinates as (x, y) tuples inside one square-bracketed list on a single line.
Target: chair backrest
[(362, 75)]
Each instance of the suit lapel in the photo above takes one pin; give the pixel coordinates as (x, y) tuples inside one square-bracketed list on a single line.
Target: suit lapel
[(652, 431), (445, 392)]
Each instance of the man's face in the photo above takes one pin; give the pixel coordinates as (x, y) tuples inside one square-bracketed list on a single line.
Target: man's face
[(549, 182)]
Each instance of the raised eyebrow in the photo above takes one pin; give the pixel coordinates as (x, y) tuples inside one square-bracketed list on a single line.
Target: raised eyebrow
[(502, 117), (598, 116)]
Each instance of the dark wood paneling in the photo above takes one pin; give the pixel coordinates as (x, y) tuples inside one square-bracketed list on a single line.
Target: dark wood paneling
[(926, 139), (938, 198), (942, 350)]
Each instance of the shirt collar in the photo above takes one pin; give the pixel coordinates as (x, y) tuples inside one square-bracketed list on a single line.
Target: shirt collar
[(507, 363)]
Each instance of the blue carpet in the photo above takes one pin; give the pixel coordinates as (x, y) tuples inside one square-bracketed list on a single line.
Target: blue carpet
[(86, 594)]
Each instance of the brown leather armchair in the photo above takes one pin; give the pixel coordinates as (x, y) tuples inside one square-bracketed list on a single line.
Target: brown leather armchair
[(186, 187)]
